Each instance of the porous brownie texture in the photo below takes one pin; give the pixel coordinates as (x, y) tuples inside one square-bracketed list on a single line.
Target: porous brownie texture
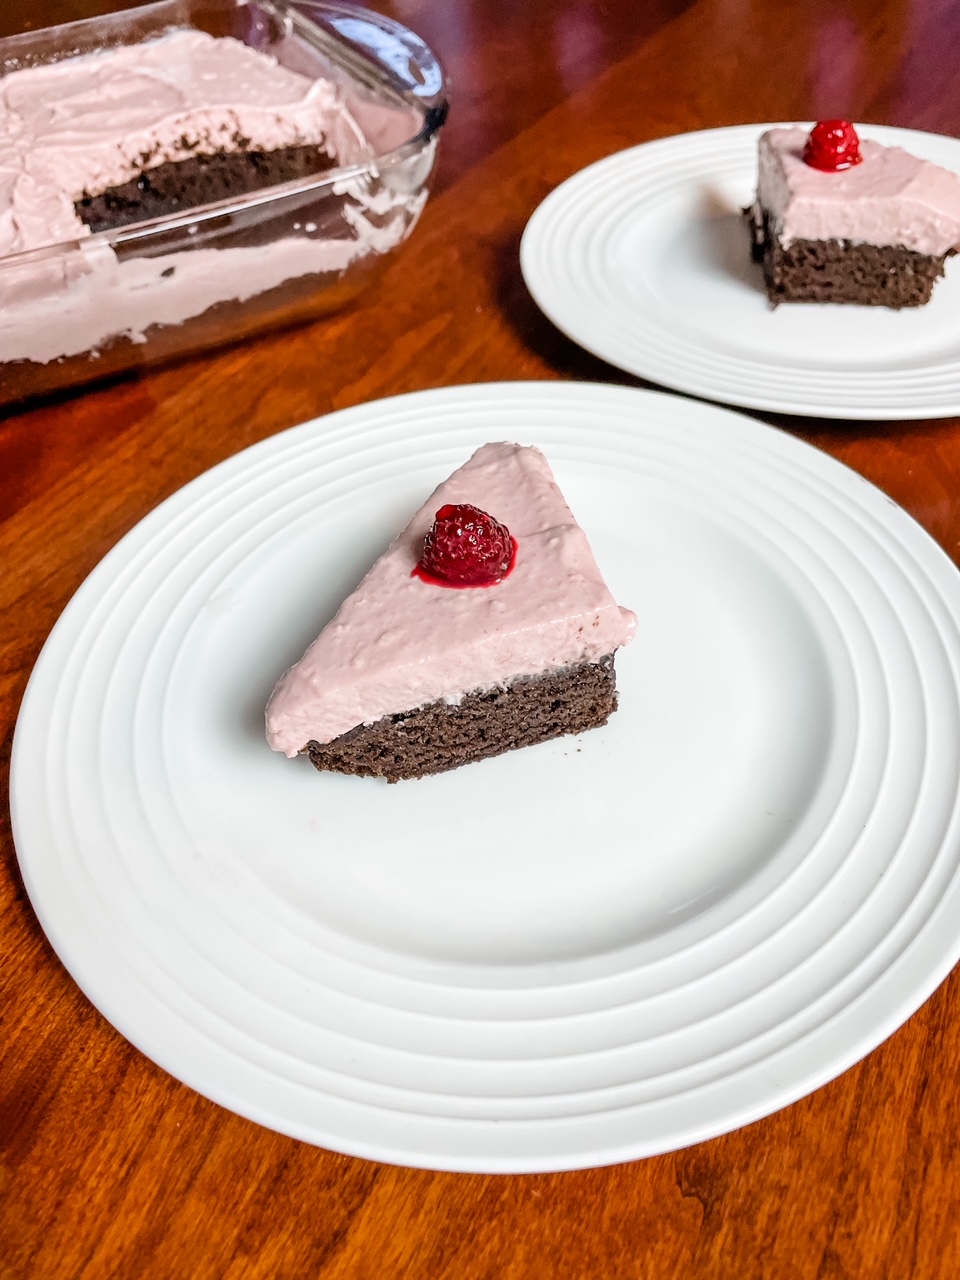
[(440, 736), (843, 270), (200, 179)]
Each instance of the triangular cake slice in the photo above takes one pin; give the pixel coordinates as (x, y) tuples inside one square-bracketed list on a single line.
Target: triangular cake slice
[(414, 677)]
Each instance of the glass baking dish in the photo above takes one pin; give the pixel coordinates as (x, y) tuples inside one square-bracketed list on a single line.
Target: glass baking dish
[(109, 300)]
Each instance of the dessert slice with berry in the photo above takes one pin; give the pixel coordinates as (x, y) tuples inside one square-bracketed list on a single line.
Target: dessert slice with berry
[(485, 626), (840, 219)]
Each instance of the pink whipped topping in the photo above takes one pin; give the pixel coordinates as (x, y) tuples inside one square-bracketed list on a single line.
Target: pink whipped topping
[(92, 122), (891, 198), (96, 120), (398, 642), (65, 307)]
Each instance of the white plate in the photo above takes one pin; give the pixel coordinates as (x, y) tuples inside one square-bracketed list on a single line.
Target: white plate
[(644, 259), (595, 949)]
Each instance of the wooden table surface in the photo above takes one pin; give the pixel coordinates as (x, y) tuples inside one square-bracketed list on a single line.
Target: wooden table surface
[(109, 1168)]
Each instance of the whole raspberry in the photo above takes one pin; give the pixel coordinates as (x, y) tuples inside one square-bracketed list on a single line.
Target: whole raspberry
[(832, 145), (466, 548)]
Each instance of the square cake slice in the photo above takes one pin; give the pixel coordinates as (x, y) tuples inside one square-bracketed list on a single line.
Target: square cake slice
[(840, 220)]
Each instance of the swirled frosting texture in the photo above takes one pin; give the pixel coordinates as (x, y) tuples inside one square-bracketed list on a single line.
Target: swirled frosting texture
[(891, 198), (86, 124), (398, 642)]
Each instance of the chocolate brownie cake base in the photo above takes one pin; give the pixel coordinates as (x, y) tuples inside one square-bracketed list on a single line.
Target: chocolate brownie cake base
[(842, 270), (439, 736), (198, 180)]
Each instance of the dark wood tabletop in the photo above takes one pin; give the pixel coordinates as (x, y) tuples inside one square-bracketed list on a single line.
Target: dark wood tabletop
[(112, 1170)]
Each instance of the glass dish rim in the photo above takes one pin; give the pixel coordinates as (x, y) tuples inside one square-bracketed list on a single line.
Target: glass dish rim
[(433, 111)]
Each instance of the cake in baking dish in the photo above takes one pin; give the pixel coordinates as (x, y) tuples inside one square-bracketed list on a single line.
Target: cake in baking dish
[(103, 157), (837, 219)]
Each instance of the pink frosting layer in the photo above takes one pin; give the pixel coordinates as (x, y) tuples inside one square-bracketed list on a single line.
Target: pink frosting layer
[(398, 643), (68, 306), (89, 123), (891, 198)]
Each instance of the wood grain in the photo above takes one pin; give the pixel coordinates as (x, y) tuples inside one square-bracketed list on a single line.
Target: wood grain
[(110, 1169)]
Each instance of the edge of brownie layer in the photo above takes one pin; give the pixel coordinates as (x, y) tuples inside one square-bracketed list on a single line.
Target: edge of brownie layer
[(842, 271), (442, 736), (200, 179)]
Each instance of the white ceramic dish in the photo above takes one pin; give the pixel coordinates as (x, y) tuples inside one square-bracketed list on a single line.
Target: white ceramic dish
[(642, 937), (644, 259)]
